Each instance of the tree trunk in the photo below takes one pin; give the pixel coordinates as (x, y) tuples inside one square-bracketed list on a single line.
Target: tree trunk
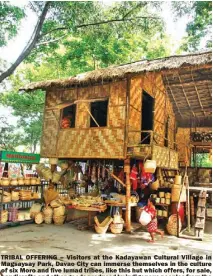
[(31, 44)]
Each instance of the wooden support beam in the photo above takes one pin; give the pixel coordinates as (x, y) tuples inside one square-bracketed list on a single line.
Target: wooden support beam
[(128, 194), (116, 178)]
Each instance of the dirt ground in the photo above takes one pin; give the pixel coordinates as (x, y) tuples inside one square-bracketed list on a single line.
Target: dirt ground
[(67, 239)]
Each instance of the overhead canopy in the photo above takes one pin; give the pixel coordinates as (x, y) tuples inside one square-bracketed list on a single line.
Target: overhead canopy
[(19, 157), (187, 79)]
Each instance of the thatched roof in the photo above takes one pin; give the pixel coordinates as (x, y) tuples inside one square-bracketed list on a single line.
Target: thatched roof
[(187, 79), (117, 72)]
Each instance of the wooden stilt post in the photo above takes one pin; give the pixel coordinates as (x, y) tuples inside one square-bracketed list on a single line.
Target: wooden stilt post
[(128, 194)]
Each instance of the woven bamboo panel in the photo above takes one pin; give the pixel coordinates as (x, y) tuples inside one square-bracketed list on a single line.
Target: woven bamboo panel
[(161, 155), (134, 119), (54, 97), (173, 159), (165, 157), (171, 139), (91, 143), (82, 116), (143, 151), (136, 93), (159, 129), (116, 117), (118, 93), (183, 142), (148, 81), (93, 92), (134, 138), (160, 106), (50, 132)]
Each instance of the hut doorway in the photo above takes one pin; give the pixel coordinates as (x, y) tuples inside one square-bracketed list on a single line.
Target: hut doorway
[(147, 116)]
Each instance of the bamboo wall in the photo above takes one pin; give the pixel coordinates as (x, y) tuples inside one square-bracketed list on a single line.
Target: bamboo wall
[(83, 141), (105, 142), (183, 143), (152, 83)]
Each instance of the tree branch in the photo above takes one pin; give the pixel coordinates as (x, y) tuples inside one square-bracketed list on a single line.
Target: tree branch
[(116, 20), (25, 53), (51, 41)]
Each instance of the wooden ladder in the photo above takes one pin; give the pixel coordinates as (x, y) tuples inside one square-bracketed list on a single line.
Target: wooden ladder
[(200, 215)]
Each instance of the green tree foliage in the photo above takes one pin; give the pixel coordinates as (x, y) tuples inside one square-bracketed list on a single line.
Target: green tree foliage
[(9, 139), (58, 20), (28, 108), (10, 18), (199, 28)]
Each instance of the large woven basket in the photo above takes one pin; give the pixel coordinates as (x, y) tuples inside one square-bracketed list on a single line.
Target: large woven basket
[(48, 220), (116, 228), (172, 225), (58, 220), (35, 209), (48, 211), (39, 218), (59, 211)]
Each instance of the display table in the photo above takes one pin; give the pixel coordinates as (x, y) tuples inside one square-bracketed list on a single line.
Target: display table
[(90, 210), (119, 205)]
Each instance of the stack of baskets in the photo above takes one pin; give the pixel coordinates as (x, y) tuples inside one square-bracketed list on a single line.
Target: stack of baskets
[(102, 227), (116, 226), (58, 211), (48, 214), (3, 216)]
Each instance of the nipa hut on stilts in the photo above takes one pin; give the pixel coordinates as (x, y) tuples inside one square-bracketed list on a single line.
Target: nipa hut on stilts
[(127, 111)]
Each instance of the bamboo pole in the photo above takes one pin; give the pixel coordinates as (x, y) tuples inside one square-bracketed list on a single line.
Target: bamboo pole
[(115, 177), (92, 116), (128, 194), (188, 202)]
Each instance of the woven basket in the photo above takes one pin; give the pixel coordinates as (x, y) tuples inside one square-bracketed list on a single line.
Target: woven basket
[(48, 220), (3, 216), (59, 211), (14, 196), (48, 211), (35, 209), (39, 218), (58, 220), (55, 203), (5, 181), (116, 228), (172, 225), (117, 218), (154, 185)]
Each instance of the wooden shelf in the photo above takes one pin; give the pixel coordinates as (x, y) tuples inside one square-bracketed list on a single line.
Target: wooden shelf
[(162, 204), (18, 186), (201, 144), (18, 201), (161, 217)]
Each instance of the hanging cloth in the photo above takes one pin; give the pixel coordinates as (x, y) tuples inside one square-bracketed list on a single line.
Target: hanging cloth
[(133, 177)]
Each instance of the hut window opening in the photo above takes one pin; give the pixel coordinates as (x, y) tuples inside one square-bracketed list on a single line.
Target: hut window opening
[(99, 113), (147, 117), (68, 116)]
